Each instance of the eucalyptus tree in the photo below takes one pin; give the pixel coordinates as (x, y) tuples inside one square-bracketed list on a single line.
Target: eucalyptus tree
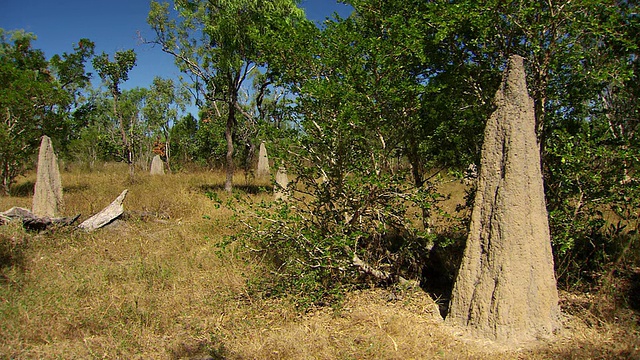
[(184, 141), (113, 74), (163, 104), (220, 44), (70, 72), (98, 138), (139, 131)]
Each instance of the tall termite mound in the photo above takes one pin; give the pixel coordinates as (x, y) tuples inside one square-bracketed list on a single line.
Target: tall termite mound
[(263, 162), (157, 166), (506, 288), (281, 185), (47, 194)]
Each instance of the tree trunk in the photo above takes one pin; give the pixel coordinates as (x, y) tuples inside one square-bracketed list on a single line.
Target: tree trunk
[(6, 178), (130, 149), (167, 149), (123, 133), (540, 102), (415, 162), (228, 134), (6, 182), (131, 165), (506, 288), (248, 161)]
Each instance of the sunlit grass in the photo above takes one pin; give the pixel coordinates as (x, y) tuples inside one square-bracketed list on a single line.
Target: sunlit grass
[(156, 284), (115, 291)]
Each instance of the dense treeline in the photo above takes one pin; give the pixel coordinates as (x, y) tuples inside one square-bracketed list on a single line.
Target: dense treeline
[(87, 123), (362, 111)]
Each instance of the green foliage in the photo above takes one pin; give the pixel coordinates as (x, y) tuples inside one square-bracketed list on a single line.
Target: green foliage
[(31, 101), (143, 117), (209, 147), (220, 45), (183, 133), (354, 210), (70, 72), (113, 73), (99, 137), (313, 238), (581, 60), (400, 84), (163, 103), (593, 197), (139, 137)]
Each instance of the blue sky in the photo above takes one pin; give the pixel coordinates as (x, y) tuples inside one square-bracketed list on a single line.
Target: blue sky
[(113, 25)]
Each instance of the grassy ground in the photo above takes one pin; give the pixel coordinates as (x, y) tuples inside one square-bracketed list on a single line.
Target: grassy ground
[(156, 285)]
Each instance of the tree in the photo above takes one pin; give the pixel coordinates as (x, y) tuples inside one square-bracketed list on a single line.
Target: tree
[(113, 73), (592, 158), (183, 135), (163, 102), (220, 45), (139, 132), (99, 138), (69, 70), (30, 102), (351, 207), (402, 84)]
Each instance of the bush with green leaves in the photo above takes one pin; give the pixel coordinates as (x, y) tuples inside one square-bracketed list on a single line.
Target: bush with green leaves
[(401, 88), (593, 196), (339, 230)]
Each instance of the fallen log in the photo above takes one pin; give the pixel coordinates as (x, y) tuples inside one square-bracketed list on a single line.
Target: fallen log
[(33, 222), (107, 215), (382, 276)]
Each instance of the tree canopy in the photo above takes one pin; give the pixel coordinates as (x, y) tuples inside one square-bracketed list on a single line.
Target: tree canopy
[(220, 44), (34, 101)]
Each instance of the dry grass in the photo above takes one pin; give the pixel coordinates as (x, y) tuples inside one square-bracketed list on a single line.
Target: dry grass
[(158, 287)]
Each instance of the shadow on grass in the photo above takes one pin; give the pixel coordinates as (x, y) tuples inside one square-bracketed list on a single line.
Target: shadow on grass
[(75, 188), (24, 189), (11, 255), (625, 348), (441, 267), (245, 188), (634, 291)]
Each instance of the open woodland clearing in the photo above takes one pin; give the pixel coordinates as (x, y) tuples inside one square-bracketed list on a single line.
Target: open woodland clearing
[(156, 284), (535, 104)]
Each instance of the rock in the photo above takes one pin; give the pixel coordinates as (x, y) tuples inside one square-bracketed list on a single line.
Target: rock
[(47, 195), (263, 162), (157, 166), (506, 288), (104, 217), (282, 182)]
